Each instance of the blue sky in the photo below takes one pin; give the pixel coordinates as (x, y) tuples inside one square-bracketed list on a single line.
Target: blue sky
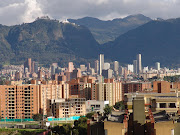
[(18, 11)]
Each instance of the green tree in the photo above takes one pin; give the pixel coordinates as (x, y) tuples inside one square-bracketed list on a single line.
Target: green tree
[(81, 125), (75, 131), (119, 105), (107, 110), (37, 117), (63, 130), (89, 115)]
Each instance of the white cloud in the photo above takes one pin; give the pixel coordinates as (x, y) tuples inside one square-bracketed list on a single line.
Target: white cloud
[(33, 10), (19, 11)]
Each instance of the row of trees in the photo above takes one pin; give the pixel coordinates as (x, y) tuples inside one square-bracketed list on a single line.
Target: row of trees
[(79, 128)]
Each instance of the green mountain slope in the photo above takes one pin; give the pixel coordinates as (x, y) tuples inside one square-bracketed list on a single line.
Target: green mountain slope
[(157, 41), (46, 41), (104, 31)]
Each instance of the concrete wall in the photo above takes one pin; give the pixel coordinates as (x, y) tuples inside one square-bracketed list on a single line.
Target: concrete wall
[(114, 128), (164, 128)]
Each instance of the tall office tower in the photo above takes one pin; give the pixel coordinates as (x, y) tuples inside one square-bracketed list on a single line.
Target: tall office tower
[(36, 67), (97, 66), (70, 67), (157, 66), (106, 66), (52, 69), (27, 64), (32, 68), (130, 68), (40, 75), (125, 73), (101, 63), (121, 70), (88, 66), (139, 64), (107, 73), (135, 66), (116, 66)]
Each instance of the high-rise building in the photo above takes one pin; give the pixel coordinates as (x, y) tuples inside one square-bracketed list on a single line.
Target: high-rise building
[(107, 73), (32, 66), (109, 91), (96, 66), (139, 63), (101, 63), (106, 66), (135, 66), (76, 73), (40, 75), (130, 67), (116, 66), (88, 66), (36, 67), (27, 64), (52, 69), (157, 66), (70, 66), (19, 101), (83, 68)]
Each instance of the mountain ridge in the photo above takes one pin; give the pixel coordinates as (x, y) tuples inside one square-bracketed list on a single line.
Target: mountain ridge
[(157, 41), (104, 31), (46, 41)]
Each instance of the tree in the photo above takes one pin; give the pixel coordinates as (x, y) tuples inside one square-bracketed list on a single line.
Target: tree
[(89, 115), (63, 130), (37, 117), (119, 105), (81, 125), (75, 131), (107, 110)]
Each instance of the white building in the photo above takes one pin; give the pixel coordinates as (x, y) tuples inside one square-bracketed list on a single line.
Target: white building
[(95, 106), (157, 66)]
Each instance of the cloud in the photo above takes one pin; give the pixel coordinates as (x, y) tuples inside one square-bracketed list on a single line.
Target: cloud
[(19, 11)]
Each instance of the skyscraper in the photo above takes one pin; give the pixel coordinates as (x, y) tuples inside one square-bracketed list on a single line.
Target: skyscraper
[(135, 66), (116, 66), (27, 64), (96, 66), (157, 66), (70, 66), (139, 64), (36, 67), (101, 63)]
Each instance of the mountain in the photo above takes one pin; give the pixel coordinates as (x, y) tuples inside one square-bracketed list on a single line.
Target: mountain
[(47, 41), (157, 41), (104, 31)]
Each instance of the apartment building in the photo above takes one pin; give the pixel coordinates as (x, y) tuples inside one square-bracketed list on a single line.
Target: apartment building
[(22, 101), (84, 87), (51, 91), (18, 102), (109, 91), (136, 86), (64, 108)]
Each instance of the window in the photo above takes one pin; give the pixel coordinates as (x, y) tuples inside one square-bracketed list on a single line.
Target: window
[(162, 105)]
